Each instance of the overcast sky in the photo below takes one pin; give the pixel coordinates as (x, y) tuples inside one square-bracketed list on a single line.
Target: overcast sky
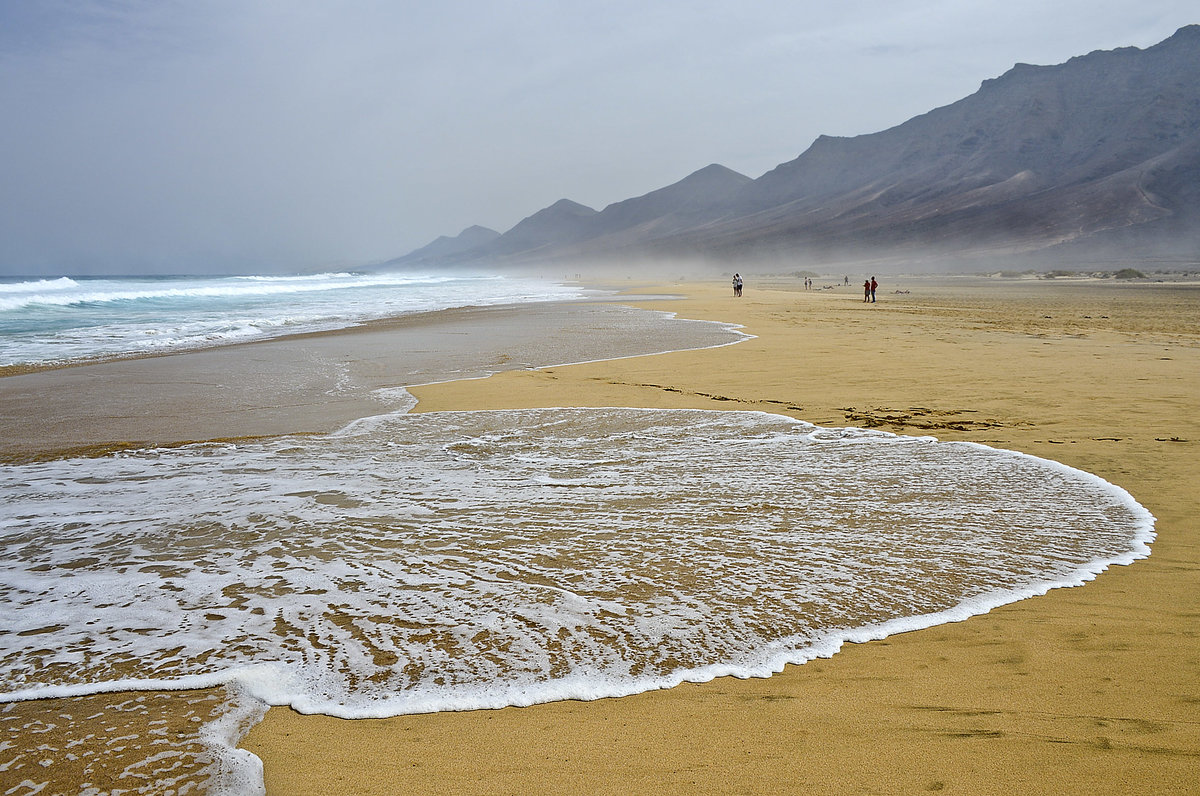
[(255, 135)]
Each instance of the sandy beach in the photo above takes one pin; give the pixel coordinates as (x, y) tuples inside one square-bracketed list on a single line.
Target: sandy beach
[(1082, 690)]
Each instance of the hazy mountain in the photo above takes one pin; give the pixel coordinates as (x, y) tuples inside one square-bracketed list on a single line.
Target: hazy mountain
[(561, 222), (1037, 158), (1099, 154), (445, 247), (695, 196)]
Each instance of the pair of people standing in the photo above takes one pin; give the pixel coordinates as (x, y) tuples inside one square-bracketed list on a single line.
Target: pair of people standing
[(737, 285), (869, 290)]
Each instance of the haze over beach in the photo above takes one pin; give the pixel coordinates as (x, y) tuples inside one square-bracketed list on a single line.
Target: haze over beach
[(277, 137), (331, 463)]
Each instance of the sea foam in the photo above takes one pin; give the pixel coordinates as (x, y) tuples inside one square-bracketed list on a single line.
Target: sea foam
[(60, 320), (463, 560)]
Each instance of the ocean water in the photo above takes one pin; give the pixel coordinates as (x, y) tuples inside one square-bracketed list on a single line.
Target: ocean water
[(450, 561), (66, 319)]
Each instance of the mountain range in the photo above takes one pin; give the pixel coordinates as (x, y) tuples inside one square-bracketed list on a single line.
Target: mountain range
[(1093, 160)]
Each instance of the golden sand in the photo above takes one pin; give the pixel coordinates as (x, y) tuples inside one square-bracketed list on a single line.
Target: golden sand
[(1084, 690)]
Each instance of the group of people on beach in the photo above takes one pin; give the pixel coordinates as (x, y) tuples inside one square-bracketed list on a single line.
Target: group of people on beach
[(869, 287), (869, 290)]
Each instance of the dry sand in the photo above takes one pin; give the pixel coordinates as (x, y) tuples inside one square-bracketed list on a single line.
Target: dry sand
[(1085, 690)]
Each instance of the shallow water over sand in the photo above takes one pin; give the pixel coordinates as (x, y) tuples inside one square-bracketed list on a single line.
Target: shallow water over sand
[(479, 559)]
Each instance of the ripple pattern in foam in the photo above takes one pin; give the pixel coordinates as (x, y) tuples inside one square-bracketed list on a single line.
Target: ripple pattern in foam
[(460, 560)]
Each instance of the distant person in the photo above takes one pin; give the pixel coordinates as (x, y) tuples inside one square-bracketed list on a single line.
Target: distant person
[(874, 285), (737, 285), (847, 279), (866, 290)]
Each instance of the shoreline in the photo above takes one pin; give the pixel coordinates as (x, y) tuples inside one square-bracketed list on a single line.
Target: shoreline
[(386, 324), (316, 382), (1063, 692)]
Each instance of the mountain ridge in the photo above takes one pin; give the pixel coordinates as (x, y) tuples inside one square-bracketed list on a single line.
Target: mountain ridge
[(1099, 152)]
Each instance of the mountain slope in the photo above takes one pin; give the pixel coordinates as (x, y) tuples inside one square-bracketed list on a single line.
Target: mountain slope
[(561, 222), (1101, 151), (1035, 158), (712, 187), (445, 248)]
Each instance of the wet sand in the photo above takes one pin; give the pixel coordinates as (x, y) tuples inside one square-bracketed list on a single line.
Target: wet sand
[(313, 383), (1084, 690)]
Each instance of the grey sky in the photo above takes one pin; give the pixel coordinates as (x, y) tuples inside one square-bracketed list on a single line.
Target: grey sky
[(240, 135)]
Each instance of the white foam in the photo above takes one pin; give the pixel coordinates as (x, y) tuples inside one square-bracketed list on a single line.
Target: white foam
[(67, 292), (61, 283), (63, 319), (461, 560), (456, 505)]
